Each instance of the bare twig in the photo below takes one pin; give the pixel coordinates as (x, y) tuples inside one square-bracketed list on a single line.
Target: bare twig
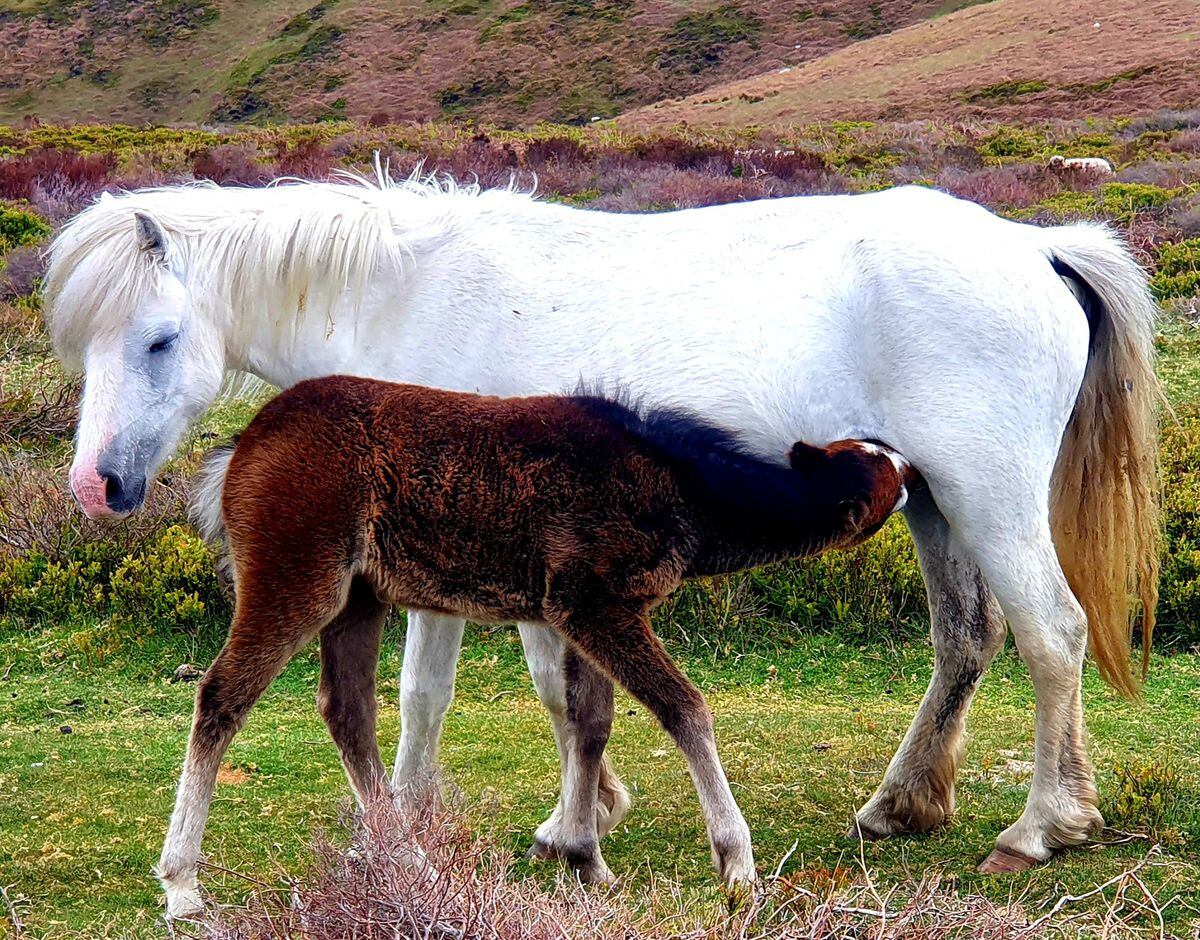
[(18, 926)]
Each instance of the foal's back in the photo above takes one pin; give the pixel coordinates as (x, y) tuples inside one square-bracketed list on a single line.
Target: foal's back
[(451, 501)]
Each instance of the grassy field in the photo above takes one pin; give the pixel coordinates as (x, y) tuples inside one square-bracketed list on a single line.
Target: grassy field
[(812, 670)]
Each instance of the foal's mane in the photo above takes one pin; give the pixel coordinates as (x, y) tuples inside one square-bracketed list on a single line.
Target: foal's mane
[(735, 484), (283, 253)]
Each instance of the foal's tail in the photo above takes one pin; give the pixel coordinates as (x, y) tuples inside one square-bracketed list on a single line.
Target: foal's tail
[(1105, 488), (204, 506)]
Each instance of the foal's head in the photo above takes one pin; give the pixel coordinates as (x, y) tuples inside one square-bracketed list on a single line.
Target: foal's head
[(865, 481)]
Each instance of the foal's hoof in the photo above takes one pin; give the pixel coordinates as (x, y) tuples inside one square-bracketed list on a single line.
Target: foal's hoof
[(861, 832), (1007, 861), (541, 852)]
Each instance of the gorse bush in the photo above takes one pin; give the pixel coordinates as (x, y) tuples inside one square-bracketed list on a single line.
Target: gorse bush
[(1178, 273), (20, 228), (1151, 795), (166, 587), (1120, 201)]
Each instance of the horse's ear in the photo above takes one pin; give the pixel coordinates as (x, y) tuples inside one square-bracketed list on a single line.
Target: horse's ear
[(151, 238)]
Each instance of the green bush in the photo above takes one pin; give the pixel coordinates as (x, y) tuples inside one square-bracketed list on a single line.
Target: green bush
[(1122, 201), (1178, 270), (1002, 91), (168, 586), (1179, 585), (19, 227), (1071, 204), (1151, 796), (1007, 143), (873, 591)]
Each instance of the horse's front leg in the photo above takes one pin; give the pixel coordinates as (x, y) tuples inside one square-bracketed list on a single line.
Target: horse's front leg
[(546, 651), (431, 649), (917, 792)]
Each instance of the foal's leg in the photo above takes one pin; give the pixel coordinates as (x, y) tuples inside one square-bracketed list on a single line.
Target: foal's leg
[(621, 643), (546, 653), (346, 696), (431, 649), (576, 816), (917, 792), (589, 722), (267, 632)]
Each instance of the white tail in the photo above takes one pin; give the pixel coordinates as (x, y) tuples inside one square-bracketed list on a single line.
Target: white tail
[(204, 504)]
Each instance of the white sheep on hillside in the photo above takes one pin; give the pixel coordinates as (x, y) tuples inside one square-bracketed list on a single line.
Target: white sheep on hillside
[(1096, 165)]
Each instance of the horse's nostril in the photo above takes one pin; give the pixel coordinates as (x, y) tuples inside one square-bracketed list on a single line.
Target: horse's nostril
[(112, 486)]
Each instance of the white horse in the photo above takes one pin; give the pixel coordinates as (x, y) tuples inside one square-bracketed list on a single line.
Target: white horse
[(1011, 364)]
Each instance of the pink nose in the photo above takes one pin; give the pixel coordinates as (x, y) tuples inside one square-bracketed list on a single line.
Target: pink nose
[(90, 490)]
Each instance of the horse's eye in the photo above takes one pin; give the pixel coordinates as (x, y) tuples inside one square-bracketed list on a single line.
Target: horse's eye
[(161, 345)]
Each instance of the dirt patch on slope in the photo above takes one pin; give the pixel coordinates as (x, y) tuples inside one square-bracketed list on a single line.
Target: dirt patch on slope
[(1009, 59)]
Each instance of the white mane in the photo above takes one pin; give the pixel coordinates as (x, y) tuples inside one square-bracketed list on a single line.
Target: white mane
[(290, 250)]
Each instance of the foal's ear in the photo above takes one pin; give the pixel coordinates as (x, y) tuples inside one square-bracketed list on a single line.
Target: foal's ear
[(806, 458), (150, 237)]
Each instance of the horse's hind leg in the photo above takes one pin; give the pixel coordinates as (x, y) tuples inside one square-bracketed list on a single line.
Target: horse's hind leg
[(267, 632), (917, 792), (621, 643), (346, 695), (1008, 532)]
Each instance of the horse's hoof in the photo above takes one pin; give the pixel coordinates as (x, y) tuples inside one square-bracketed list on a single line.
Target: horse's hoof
[(1007, 862), (184, 905), (860, 832), (541, 852)]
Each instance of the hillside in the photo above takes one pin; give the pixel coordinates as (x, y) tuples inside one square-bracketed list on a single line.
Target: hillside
[(512, 62), (1009, 59)]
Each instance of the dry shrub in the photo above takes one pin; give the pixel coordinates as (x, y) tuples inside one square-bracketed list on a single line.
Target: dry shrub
[(57, 182), (39, 517), (309, 159), (20, 271), (1015, 186), (230, 164), (379, 889), (38, 414), (1186, 142), (1165, 174)]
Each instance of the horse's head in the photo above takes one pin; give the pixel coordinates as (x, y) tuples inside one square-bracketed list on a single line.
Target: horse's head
[(120, 304)]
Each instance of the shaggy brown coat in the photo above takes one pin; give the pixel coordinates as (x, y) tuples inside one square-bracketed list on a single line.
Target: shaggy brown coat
[(345, 496)]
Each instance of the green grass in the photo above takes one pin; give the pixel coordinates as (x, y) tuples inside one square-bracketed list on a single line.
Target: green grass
[(83, 813)]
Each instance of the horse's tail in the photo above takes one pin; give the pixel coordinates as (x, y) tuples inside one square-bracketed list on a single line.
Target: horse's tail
[(204, 506), (1105, 488)]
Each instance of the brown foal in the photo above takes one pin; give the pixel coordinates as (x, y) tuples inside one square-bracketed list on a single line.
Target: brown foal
[(346, 496)]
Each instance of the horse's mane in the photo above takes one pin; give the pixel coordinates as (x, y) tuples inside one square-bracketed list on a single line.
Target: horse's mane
[(281, 253)]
